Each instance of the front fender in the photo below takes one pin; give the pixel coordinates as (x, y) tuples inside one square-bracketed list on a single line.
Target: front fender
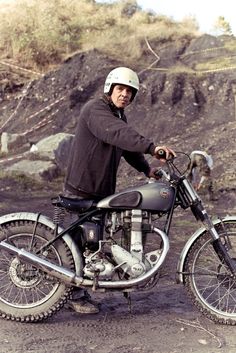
[(29, 216), (188, 245)]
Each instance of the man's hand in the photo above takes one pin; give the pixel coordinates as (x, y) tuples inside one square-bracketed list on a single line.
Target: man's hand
[(164, 153), (154, 173)]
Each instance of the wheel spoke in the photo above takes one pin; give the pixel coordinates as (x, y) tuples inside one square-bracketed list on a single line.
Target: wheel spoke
[(26, 292), (211, 284), (21, 284), (218, 290)]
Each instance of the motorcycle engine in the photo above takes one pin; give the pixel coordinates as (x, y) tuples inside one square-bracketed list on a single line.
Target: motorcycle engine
[(129, 263), (125, 256), (96, 265)]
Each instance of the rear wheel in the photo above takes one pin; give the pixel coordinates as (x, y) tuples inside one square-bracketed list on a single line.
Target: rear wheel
[(27, 293), (210, 283)]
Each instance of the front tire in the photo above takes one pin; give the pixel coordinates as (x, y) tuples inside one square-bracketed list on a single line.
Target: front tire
[(209, 282), (26, 293)]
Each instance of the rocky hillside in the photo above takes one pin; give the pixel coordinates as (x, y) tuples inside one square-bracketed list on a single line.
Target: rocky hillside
[(179, 104)]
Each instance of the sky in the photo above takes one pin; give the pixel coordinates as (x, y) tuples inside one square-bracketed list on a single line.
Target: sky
[(206, 12)]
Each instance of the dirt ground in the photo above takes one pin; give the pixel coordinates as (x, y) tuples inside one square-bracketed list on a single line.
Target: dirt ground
[(162, 320)]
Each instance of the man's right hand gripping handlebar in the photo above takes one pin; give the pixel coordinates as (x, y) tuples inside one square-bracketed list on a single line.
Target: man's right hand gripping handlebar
[(163, 153)]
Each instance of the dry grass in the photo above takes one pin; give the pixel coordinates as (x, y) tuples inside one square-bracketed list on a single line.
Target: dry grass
[(40, 33)]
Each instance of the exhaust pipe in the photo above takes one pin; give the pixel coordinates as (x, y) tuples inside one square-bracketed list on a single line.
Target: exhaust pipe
[(54, 270)]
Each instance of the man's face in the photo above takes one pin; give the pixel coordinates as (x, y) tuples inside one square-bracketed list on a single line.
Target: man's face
[(121, 95)]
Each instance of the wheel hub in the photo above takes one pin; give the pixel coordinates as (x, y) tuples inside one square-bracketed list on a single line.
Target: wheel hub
[(22, 274)]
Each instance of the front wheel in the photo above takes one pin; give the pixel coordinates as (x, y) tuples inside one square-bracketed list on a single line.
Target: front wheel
[(209, 282), (27, 293)]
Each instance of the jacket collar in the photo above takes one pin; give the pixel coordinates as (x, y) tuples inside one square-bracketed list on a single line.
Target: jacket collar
[(119, 112)]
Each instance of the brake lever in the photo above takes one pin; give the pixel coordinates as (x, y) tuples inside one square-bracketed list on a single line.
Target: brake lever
[(160, 173)]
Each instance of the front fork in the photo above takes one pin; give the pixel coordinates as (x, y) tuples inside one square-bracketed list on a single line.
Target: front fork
[(201, 214), (219, 247)]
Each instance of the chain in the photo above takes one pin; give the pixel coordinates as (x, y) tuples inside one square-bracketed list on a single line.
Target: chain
[(43, 122), (195, 72), (20, 68), (17, 107), (201, 51), (150, 67), (19, 156), (47, 108)]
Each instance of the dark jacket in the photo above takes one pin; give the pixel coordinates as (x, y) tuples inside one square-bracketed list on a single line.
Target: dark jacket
[(102, 137)]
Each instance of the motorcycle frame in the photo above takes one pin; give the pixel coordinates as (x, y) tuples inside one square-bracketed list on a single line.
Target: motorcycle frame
[(60, 233), (36, 217)]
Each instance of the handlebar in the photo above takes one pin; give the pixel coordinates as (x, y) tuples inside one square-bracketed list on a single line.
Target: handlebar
[(173, 173), (162, 155)]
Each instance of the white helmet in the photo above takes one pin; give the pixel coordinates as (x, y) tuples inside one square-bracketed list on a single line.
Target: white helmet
[(123, 76)]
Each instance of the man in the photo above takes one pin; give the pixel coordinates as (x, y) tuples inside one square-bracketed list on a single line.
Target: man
[(199, 172), (102, 137)]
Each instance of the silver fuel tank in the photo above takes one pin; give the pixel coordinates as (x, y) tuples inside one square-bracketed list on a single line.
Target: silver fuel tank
[(156, 196)]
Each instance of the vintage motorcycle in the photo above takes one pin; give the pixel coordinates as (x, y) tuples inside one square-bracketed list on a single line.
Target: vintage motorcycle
[(119, 243)]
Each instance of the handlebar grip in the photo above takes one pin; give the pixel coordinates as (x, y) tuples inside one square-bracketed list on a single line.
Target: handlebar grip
[(161, 153)]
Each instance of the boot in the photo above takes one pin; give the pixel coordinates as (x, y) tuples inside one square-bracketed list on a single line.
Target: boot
[(83, 304)]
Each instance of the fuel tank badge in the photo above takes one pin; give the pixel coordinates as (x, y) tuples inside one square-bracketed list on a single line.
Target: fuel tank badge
[(164, 193)]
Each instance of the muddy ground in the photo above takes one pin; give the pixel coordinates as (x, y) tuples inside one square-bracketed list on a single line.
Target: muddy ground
[(162, 320)]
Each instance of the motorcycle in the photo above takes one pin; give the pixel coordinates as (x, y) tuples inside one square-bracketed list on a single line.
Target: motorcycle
[(119, 244)]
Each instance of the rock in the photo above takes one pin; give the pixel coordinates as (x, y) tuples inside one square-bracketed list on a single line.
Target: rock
[(45, 160), (10, 141), (54, 145), (62, 151), (37, 170), (202, 341)]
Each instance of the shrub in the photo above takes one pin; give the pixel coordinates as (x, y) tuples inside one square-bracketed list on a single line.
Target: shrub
[(41, 33)]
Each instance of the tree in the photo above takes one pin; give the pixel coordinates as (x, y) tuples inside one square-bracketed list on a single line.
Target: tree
[(222, 26)]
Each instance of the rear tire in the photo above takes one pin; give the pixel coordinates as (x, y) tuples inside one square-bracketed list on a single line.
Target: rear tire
[(209, 282), (26, 293)]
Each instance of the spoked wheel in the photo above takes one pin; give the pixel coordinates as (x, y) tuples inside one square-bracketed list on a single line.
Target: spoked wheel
[(210, 283), (27, 293)]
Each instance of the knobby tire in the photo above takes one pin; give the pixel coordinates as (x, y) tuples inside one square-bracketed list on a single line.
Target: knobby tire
[(26, 293), (208, 280)]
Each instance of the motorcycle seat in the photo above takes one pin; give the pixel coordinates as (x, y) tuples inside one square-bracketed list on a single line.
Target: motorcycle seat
[(73, 204)]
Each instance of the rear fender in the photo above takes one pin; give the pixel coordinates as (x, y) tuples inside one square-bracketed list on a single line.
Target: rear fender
[(29, 216), (188, 245)]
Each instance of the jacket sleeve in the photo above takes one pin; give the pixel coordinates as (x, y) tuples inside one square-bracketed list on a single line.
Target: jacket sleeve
[(112, 130), (137, 161)]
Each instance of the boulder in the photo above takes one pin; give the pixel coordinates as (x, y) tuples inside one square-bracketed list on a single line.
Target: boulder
[(37, 170), (45, 160), (53, 147), (9, 141)]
